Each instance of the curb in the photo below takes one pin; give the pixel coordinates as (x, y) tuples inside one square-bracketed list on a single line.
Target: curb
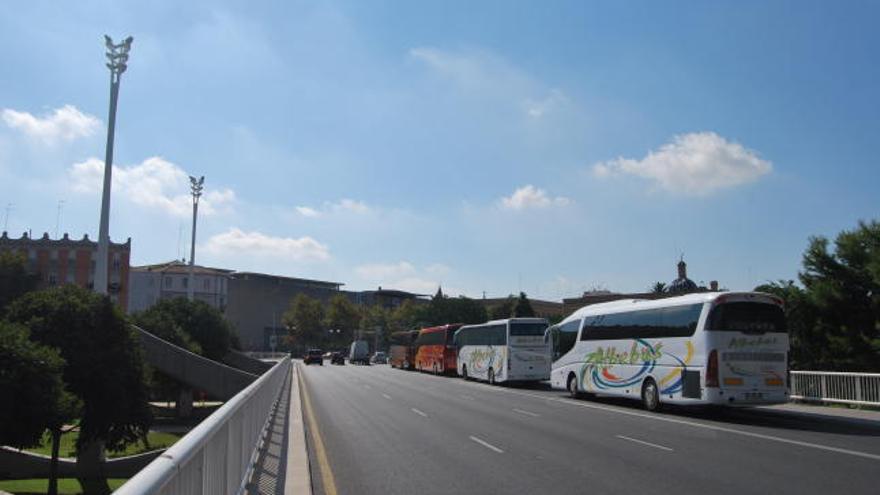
[(297, 477)]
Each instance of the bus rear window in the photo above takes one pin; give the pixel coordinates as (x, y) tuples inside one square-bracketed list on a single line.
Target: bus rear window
[(747, 317), (524, 329)]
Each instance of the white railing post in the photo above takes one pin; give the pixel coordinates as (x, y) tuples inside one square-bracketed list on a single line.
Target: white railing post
[(215, 457), (861, 389)]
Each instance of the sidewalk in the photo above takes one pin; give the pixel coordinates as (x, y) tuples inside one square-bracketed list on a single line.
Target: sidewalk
[(282, 462), (820, 410)]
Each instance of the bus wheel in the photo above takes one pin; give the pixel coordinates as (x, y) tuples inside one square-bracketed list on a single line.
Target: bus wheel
[(491, 376), (651, 395), (464, 372), (573, 386)]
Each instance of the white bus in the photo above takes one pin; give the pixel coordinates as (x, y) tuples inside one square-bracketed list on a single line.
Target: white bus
[(724, 348), (504, 350)]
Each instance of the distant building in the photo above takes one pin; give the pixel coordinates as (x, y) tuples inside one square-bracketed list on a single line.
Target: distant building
[(679, 286), (682, 284), (386, 298), (258, 301), (570, 305), (68, 261), (152, 283), (543, 309)]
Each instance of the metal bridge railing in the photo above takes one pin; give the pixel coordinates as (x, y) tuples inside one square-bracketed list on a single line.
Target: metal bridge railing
[(217, 456), (267, 355), (836, 387)]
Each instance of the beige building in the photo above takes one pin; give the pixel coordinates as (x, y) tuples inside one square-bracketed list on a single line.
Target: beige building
[(152, 283)]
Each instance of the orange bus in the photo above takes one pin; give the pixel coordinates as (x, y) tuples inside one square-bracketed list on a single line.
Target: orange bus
[(401, 353), (435, 349)]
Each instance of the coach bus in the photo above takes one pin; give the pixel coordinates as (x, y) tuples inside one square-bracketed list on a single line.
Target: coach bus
[(402, 350), (434, 349), (720, 348), (504, 351)]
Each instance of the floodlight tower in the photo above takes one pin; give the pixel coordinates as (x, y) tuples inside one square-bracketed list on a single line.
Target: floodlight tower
[(117, 57), (196, 186)]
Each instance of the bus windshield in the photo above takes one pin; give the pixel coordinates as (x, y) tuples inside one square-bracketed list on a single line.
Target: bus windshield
[(747, 317), (527, 329)]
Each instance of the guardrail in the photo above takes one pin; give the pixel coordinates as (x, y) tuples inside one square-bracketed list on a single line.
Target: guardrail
[(267, 355), (218, 455), (861, 389)]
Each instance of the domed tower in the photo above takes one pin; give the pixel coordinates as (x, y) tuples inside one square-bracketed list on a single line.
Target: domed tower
[(681, 285)]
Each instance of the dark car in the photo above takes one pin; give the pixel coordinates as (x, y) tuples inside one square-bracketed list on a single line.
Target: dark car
[(314, 356), (337, 358)]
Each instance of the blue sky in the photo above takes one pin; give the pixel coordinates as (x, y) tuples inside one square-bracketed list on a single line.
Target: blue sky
[(488, 146)]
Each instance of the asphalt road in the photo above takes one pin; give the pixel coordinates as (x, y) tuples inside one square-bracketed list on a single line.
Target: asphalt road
[(387, 431)]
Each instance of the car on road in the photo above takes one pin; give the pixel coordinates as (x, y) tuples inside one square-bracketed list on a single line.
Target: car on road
[(314, 356), (338, 357), (379, 358)]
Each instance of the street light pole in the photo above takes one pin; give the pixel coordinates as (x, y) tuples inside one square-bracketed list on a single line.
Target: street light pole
[(196, 185), (117, 56)]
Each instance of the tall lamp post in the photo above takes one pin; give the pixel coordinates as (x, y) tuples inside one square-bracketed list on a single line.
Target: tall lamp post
[(196, 185), (117, 56)]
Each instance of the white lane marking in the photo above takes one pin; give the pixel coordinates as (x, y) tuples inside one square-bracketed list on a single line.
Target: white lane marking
[(386, 396), (420, 413), (468, 397), (649, 444), (527, 413), (733, 431), (486, 444)]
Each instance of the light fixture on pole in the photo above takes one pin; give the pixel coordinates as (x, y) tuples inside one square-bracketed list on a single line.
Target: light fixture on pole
[(117, 57), (196, 186)]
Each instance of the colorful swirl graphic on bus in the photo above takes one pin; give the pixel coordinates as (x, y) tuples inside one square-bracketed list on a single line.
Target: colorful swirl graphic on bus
[(637, 362), (482, 359)]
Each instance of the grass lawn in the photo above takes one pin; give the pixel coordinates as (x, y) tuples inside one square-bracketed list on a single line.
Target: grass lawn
[(65, 486), (158, 440)]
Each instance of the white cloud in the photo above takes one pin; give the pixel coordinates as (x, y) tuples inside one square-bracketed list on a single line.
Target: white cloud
[(380, 271), (307, 212), (342, 206), (694, 164), (235, 241), (530, 196), (404, 275), (154, 183), (491, 77), (350, 205), (538, 108), (63, 124)]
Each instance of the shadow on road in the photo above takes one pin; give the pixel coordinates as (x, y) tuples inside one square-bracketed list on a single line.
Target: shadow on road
[(789, 420)]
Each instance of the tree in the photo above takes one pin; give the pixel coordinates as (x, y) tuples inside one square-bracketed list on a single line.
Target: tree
[(32, 375), (409, 316), (523, 307), (344, 315), (193, 325), (15, 281), (658, 288), (503, 309), (304, 319), (376, 320), (844, 286), (105, 368)]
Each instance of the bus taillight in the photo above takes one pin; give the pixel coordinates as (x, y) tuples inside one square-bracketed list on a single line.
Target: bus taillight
[(712, 370)]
